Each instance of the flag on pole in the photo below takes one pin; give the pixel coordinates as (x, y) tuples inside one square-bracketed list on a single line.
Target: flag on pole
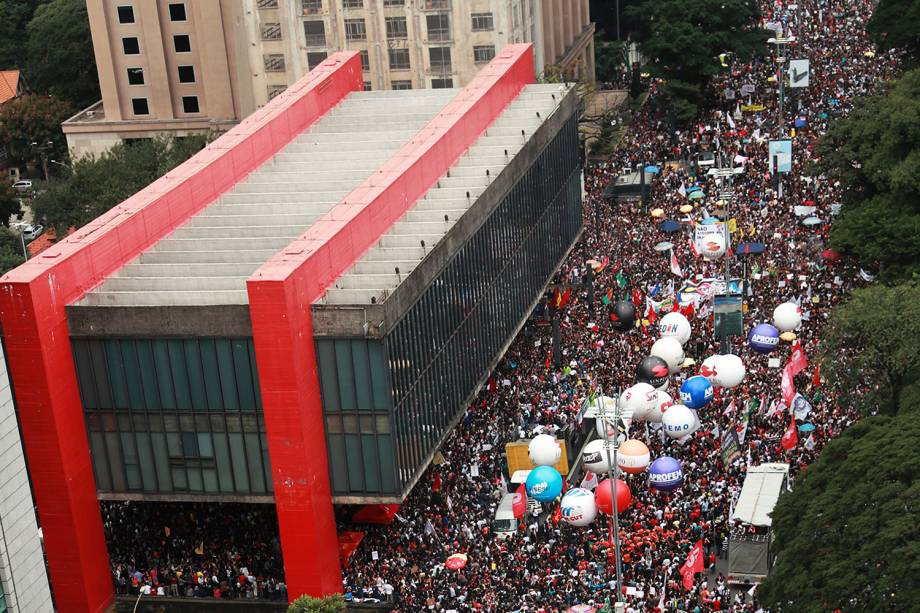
[(607, 298), (621, 279), (589, 482), (797, 361), (790, 436), (788, 385), (816, 377), (693, 565), (693, 248), (675, 265), (682, 190), (731, 121), (730, 408), (800, 407)]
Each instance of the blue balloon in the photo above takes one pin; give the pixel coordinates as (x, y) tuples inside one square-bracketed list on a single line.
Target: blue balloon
[(544, 483), (764, 338), (696, 392), (665, 474)]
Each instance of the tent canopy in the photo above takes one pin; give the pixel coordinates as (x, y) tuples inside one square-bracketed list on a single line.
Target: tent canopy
[(762, 487)]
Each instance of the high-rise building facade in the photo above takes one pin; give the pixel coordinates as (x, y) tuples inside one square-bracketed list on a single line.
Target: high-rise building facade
[(181, 67)]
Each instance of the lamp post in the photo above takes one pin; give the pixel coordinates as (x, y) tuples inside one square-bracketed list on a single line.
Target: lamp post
[(21, 226), (780, 43), (602, 414)]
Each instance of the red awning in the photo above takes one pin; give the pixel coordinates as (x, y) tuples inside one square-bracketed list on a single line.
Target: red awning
[(382, 514), (348, 542)]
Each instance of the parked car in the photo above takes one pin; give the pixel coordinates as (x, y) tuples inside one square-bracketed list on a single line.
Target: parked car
[(23, 186), (30, 232)]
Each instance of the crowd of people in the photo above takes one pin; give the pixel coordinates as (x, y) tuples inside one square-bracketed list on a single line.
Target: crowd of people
[(549, 565)]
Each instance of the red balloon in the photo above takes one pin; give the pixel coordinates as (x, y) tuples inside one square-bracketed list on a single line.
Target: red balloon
[(604, 500)]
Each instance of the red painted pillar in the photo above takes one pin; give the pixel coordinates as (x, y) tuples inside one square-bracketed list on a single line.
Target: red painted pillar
[(282, 330), (51, 414)]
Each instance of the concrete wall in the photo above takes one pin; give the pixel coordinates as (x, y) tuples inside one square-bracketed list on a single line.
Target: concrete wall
[(22, 564)]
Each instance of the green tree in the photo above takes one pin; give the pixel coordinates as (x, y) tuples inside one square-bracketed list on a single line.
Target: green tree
[(875, 154), (10, 250), (308, 604), (14, 15), (30, 128), (895, 24), (683, 38), (96, 184), (846, 536), (9, 204), (60, 52), (869, 348)]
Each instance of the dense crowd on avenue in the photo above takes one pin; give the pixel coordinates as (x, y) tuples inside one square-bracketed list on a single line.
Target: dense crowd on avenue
[(549, 565)]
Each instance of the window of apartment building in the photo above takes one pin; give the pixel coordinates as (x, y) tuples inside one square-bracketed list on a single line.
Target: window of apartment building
[(435, 5), (402, 84), (365, 60), (440, 59), (315, 58), (139, 105), (315, 33), (177, 11), (186, 74), (190, 104), (312, 7), (136, 76), (367, 86), (353, 4), (399, 59), (483, 54), (396, 27), (438, 26), (355, 29), (482, 22), (130, 45), (274, 62), (275, 90), (271, 31), (442, 83), (389, 3), (267, 4), (182, 43), (125, 14)]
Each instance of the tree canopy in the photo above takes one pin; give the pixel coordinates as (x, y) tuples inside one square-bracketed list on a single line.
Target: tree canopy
[(846, 536), (875, 154), (97, 184), (895, 24), (308, 604), (34, 119), (869, 347), (60, 52), (14, 16), (682, 40)]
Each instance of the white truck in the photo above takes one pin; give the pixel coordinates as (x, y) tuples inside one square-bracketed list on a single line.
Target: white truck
[(750, 540)]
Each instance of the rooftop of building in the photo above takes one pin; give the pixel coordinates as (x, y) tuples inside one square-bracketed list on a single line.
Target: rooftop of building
[(208, 259), (9, 85)]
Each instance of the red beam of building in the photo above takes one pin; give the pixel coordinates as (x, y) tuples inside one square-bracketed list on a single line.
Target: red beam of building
[(33, 297), (282, 290)]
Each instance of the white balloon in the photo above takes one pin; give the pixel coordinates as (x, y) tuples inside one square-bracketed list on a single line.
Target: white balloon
[(595, 456), (578, 507), (544, 450), (787, 316), (731, 371), (663, 403), (713, 246), (678, 421), (669, 349), (676, 325), (710, 369), (636, 401)]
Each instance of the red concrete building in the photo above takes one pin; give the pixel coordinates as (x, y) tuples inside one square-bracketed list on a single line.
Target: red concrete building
[(295, 316)]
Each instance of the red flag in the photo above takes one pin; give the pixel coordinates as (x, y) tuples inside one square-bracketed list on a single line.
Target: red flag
[(636, 297), (730, 408), (549, 359), (675, 265), (693, 249), (790, 436), (519, 502), (557, 298), (688, 310), (565, 297), (788, 386), (816, 377), (693, 565), (797, 361)]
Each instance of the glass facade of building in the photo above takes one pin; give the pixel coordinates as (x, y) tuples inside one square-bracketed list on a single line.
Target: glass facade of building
[(174, 416), (388, 404)]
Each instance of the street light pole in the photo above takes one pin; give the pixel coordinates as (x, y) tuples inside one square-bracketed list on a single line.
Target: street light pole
[(780, 43), (611, 467)]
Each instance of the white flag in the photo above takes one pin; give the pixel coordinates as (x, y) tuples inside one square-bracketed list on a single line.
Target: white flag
[(589, 482), (742, 432), (675, 265), (731, 121), (800, 407), (810, 442), (683, 190)]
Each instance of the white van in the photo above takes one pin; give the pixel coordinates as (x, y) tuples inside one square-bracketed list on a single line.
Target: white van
[(505, 523)]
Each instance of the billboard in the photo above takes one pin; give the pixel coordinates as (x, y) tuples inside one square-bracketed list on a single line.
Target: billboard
[(727, 311), (798, 73), (780, 155)]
